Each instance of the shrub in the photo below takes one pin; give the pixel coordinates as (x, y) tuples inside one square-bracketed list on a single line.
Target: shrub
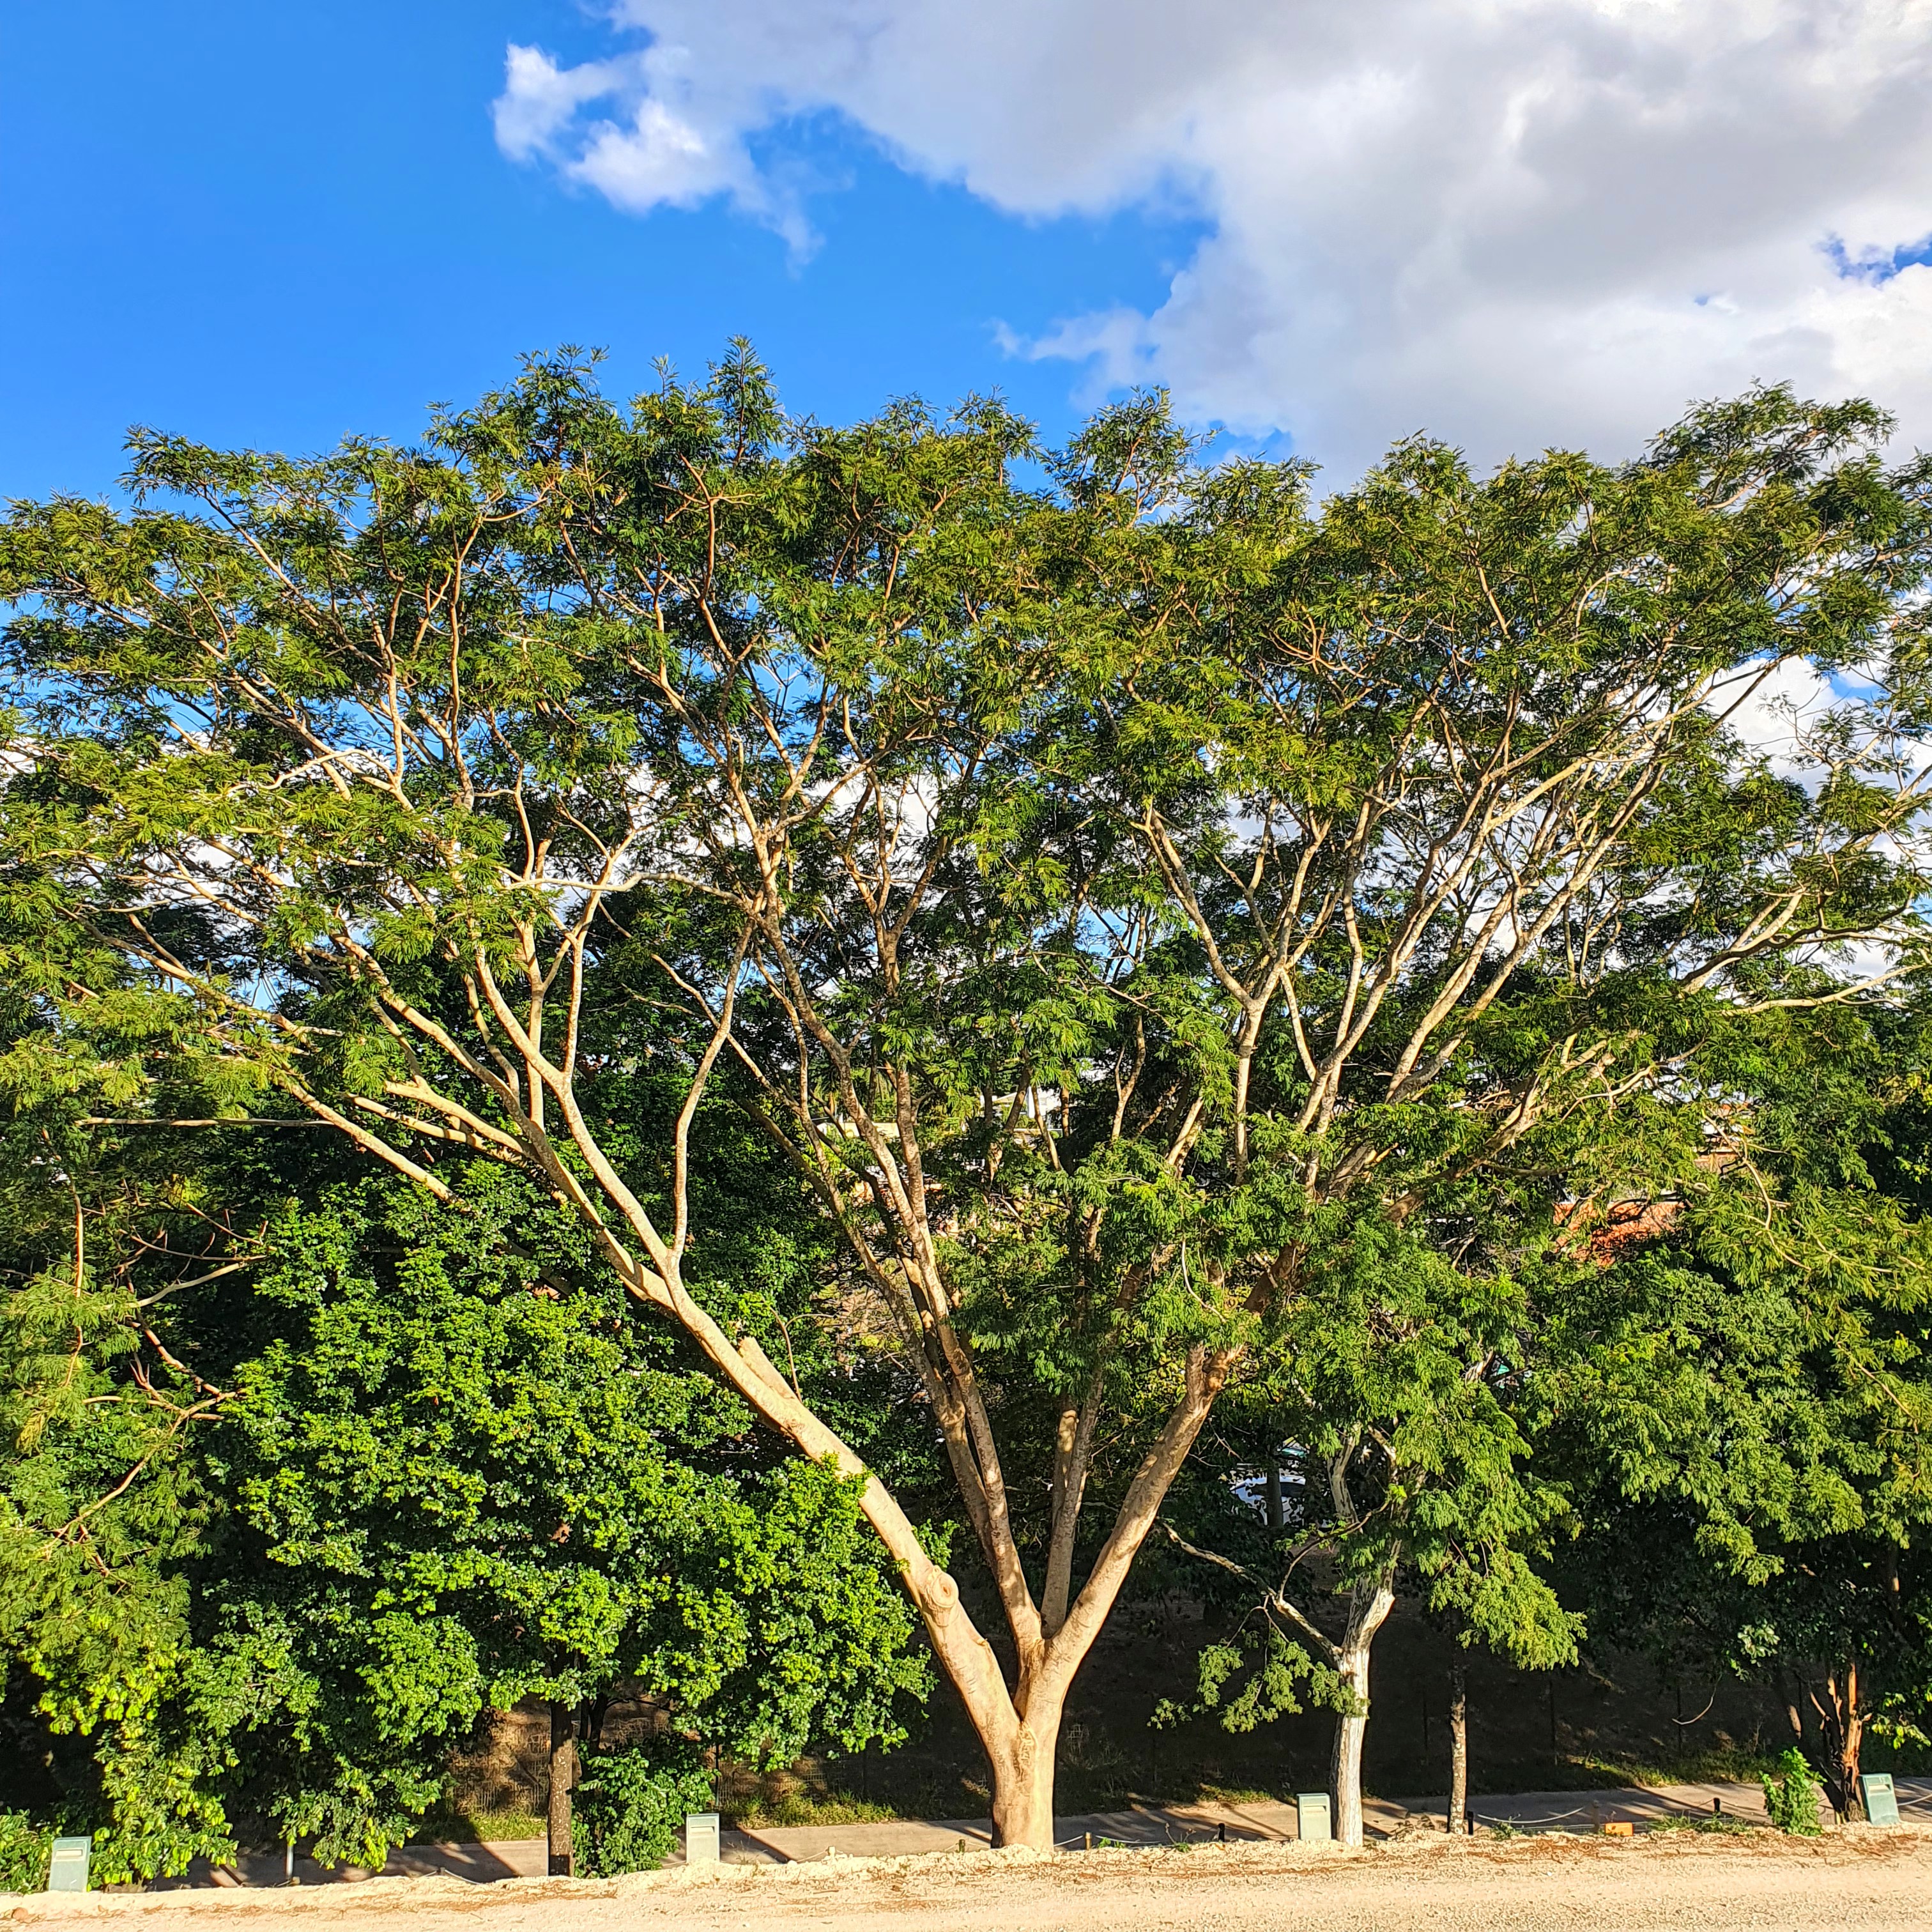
[(24, 1849), (1793, 1801), (628, 1809)]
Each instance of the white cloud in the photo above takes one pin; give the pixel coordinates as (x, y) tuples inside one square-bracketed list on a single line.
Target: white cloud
[(1511, 222), (679, 142), (539, 101), (1777, 710)]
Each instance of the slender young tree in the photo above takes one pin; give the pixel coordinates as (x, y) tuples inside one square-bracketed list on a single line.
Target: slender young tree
[(1400, 1376), (1083, 889)]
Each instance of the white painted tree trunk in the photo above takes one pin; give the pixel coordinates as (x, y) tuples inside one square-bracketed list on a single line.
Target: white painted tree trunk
[(1345, 1771), (1368, 1606)]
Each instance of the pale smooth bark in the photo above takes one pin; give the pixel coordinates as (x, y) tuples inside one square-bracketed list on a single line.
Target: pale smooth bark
[(1073, 1452), (1023, 1777), (1369, 1603), (1369, 1600)]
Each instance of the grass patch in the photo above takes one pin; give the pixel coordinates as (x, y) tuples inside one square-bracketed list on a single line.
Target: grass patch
[(799, 1807), (1739, 1766), (1716, 1824), (1598, 1770), (476, 1828)]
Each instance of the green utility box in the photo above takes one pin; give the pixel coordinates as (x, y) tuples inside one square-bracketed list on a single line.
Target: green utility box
[(67, 1870), (1881, 1800), (1311, 1822)]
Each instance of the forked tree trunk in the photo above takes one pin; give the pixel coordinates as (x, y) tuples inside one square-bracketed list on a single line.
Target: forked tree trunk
[(1018, 1726), (1023, 1781), (1368, 1606), (563, 1782), (1840, 1714), (1458, 1748)]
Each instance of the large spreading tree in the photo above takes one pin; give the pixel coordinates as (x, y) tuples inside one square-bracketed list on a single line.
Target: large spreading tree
[(1093, 891)]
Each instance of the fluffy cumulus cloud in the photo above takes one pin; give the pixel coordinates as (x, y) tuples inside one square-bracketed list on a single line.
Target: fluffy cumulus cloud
[(1509, 222), (674, 143)]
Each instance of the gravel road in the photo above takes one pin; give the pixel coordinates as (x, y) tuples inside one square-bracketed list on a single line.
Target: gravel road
[(1863, 1878)]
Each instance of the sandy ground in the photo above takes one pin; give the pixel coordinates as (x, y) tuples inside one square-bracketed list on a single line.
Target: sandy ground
[(1864, 1877)]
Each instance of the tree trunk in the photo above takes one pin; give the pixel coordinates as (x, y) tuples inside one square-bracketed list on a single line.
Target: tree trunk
[(1072, 1451), (1844, 1784), (1019, 1728), (1848, 1763), (1277, 1516), (1844, 1740), (1458, 1747), (1345, 1768), (1023, 1781), (563, 1779), (1368, 1606), (1003, 1718)]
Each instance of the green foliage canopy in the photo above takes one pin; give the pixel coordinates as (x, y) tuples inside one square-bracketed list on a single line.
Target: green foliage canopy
[(441, 1470), (1085, 890)]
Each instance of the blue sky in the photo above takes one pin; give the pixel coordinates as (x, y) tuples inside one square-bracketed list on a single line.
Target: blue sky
[(275, 224), (1323, 227)]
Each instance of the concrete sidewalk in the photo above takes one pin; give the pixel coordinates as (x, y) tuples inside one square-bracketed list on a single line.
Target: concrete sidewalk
[(1175, 1824), (1591, 1810), (1140, 1824)]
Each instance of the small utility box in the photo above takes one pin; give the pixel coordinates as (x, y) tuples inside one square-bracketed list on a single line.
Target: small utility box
[(1312, 1824), (1881, 1800), (67, 1869), (701, 1838)]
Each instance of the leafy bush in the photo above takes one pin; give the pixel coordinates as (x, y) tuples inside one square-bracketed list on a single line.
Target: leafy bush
[(24, 1849), (629, 1810), (1793, 1801)]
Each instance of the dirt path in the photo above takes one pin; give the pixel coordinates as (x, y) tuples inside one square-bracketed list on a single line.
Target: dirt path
[(1872, 1880)]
